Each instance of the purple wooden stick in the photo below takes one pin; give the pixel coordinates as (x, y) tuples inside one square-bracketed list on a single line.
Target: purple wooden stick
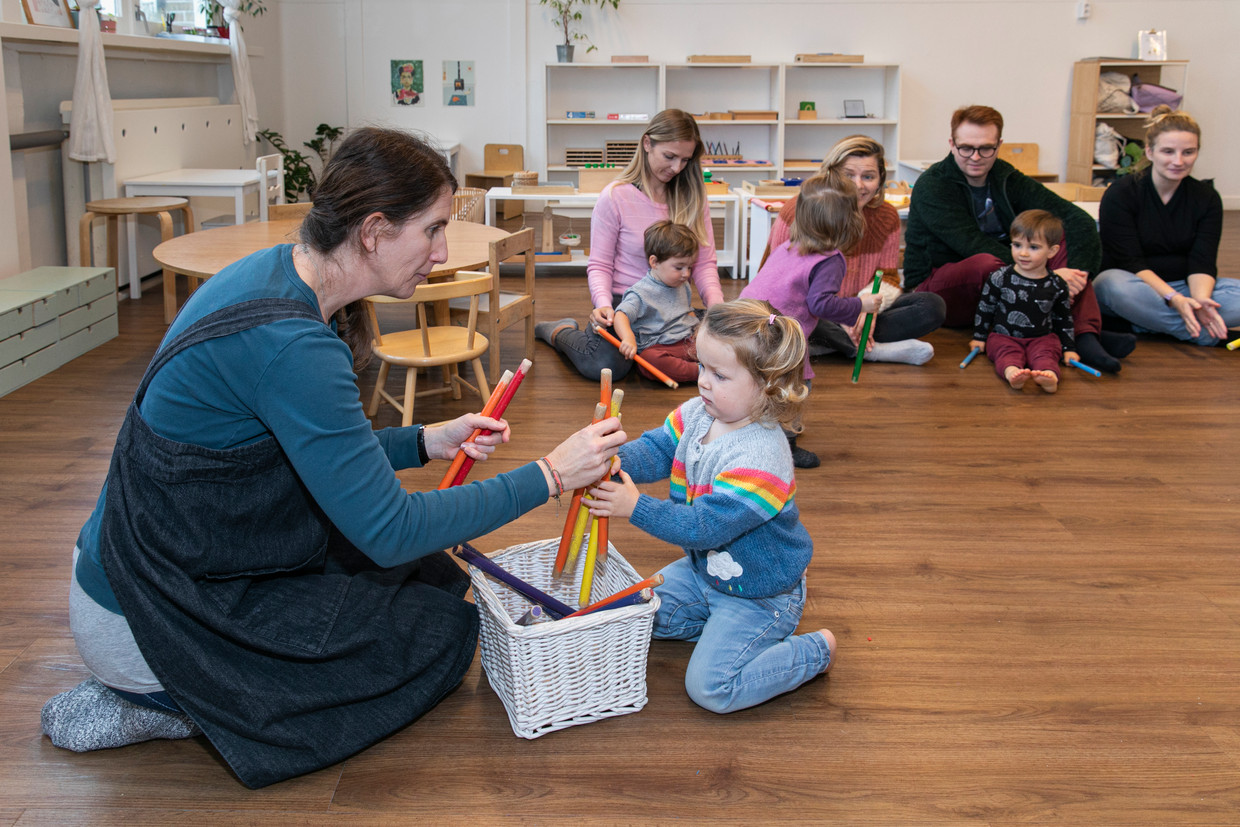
[(475, 558)]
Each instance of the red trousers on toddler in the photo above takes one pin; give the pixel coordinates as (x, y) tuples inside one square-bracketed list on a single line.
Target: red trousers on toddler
[(960, 285), (678, 360), (1040, 353)]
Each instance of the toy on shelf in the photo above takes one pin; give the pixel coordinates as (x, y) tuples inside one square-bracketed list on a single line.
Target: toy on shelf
[(829, 57), (719, 59)]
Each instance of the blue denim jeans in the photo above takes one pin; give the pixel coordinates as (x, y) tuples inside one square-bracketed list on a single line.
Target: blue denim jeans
[(746, 650), (1123, 294)]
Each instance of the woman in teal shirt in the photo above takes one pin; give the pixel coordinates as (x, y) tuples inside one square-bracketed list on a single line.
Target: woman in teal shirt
[(253, 569)]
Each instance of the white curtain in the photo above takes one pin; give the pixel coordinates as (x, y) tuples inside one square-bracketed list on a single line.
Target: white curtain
[(241, 71), (90, 128)]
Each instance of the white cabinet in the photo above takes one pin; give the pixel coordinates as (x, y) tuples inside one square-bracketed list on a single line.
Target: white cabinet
[(793, 146)]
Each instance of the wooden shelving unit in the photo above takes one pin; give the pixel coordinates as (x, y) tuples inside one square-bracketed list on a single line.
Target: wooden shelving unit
[(1085, 115)]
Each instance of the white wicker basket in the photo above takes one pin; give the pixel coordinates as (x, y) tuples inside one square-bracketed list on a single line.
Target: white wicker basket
[(562, 673)]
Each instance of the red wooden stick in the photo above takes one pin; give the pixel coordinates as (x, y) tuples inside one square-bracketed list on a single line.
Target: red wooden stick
[(487, 410), (500, 407)]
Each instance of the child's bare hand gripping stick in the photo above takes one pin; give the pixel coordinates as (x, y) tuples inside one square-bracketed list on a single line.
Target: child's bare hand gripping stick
[(614, 497)]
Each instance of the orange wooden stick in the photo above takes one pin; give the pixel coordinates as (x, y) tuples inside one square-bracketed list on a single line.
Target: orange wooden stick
[(574, 510), (487, 410), (649, 582), (617, 397), (660, 375), (604, 386)]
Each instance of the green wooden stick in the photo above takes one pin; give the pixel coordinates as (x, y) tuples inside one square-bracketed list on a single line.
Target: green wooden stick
[(865, 330)]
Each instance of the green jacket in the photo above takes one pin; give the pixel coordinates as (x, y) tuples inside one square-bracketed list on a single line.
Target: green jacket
[(942, 228)]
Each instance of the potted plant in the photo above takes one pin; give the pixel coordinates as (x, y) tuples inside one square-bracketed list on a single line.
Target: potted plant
[(213, 10), (567, 15), (299, 176)]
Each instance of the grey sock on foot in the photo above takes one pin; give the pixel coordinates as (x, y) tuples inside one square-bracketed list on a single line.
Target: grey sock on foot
[(90, 716), (906, 351), (547, 330)]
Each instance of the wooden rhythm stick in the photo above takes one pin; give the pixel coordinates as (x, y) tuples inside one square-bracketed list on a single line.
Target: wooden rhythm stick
[(500, 407), (634, 599), (487, 410), (660, 375), (617, 397), (587, 569), (648, 583), (865, 330), (574, 525), (479, 560)]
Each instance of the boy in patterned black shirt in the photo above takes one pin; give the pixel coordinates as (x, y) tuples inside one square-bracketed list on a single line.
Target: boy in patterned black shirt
[(1024, 318)]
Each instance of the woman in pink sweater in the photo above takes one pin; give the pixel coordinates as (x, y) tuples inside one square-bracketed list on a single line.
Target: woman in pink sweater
[(905, 316), (663, 181)]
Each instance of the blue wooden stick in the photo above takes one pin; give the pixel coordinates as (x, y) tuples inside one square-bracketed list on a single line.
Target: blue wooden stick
[(1085, 368), (475, 558), (969, 358)]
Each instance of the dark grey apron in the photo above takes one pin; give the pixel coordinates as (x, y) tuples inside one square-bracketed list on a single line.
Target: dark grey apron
[(287, 645)]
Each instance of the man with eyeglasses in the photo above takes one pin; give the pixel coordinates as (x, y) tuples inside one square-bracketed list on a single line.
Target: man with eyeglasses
[(957, 233)]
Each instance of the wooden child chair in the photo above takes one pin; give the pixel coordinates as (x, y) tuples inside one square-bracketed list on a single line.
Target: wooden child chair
[(500, 309), (439, 346)]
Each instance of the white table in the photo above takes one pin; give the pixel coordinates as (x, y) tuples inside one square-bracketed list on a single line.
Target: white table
[(187, 183), (728, 255), (217, 183)]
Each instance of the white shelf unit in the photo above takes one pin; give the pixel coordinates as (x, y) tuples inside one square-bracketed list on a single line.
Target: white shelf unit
[(793, 146), (720, 87), (828, 85), (601, 88)]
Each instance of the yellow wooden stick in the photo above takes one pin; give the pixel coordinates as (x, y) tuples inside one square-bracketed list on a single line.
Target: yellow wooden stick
[(587, 573), (579, 530)]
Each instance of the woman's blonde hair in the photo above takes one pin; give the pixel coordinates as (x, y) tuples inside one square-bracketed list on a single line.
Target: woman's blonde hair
[(772, 348), (1165, 119), (686, 194), (858, 146), (827, 216)]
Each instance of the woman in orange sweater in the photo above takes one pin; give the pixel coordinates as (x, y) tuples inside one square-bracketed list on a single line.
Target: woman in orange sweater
[(905, 316)]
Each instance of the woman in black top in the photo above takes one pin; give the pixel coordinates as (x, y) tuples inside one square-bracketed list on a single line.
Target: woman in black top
[(1160, 232)]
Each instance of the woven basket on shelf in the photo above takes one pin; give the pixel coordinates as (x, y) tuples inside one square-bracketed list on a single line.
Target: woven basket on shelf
[(562, 673)]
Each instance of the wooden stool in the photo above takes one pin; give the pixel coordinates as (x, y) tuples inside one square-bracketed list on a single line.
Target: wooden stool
[(113, 209)]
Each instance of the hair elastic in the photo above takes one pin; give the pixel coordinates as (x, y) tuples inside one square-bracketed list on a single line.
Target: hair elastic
[(771, 320)]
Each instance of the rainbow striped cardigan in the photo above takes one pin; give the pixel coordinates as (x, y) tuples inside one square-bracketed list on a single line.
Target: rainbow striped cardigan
[(731, 503)]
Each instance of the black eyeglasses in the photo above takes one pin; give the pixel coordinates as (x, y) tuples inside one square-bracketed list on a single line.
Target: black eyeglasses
[(967, 151)]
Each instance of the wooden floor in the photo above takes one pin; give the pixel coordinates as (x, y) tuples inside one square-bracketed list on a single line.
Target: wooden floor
[(1037, 600)]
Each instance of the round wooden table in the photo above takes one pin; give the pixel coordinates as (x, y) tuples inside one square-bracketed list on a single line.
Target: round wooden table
[(202, 254)]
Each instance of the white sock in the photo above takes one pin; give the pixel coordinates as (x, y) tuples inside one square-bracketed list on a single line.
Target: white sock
[(907, 351)]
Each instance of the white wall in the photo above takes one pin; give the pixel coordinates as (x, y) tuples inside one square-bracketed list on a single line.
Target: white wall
[(1016, 55), (326, 61)]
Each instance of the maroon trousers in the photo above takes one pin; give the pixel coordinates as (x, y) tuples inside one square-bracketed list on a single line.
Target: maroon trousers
[(1039, 353), (960, 285), (677, 360)]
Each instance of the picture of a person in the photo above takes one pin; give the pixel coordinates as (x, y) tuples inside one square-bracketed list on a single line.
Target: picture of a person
[(405, 94)]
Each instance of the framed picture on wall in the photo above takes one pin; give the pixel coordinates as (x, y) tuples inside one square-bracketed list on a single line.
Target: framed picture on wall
[(48, 12)]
